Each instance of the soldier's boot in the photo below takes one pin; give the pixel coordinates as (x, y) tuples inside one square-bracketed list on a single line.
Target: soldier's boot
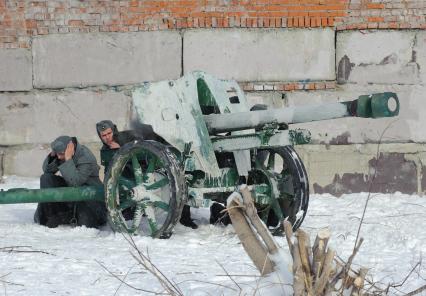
[(217, 216), (185, 218)]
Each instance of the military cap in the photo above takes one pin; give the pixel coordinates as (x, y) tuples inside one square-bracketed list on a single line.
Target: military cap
[(60, 144), (103, 125)]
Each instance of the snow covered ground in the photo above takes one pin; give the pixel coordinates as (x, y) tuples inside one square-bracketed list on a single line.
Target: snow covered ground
[(35, 260)]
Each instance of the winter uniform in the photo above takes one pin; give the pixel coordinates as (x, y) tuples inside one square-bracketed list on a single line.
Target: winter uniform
[(80, 170)]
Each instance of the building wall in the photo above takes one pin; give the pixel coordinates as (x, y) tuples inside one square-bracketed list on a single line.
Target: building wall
[(64, 65)]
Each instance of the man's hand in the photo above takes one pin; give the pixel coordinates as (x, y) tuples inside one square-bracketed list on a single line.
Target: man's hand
[(114, 145), (69, 152)]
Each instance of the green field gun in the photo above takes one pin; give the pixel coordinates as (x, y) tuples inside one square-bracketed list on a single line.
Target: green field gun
[(209, 141)]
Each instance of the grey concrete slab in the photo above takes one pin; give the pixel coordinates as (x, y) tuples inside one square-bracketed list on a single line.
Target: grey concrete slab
[(27, 160), (339, 169), (15, 70), (420, 54), (39, 117), (78, 60), (261, 54), (378, 57)]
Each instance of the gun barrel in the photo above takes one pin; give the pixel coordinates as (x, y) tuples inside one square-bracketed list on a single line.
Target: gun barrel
[(58, 194), (367, 106)]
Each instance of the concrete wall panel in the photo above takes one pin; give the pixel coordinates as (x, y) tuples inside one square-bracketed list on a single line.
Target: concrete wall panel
[(40, 117), (380, 57), (105, 59), (261, 55), (339, 169), (420, 54), (27, 160), (15, 70)]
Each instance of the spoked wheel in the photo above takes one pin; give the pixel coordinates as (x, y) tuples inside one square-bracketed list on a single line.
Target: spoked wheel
[(285, 190), (145, 189)]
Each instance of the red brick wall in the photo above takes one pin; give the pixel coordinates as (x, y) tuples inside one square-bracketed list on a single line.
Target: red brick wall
[(22, 19)]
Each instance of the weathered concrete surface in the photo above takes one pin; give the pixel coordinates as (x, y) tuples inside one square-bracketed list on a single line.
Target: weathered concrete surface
[(27, 160), (381, 57), (339, 169), (40, 117), (408, 126), (392, 173), (15, 70), (78, 60), (424, 178), (420, 54), (1, 164), (261, 54)]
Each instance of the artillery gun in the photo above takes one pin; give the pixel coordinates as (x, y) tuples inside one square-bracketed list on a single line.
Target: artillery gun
[(209, 143)]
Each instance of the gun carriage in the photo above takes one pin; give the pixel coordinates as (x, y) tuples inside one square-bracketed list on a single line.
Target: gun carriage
[(210, 143)]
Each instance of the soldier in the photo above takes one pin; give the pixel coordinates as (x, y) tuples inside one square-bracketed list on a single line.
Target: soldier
[(113, 139), (77, 166)]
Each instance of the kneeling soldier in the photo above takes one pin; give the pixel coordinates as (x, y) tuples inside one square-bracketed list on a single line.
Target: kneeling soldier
[(77, 166)]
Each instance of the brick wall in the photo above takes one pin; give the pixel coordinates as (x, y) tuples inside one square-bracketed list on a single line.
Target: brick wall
[(22, 19)]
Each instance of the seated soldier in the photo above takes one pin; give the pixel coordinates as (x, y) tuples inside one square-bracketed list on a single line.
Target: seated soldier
[(77, 166), (113, 139)]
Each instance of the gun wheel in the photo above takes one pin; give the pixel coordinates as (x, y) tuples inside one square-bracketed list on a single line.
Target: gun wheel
[(285, 194), (145, 189)]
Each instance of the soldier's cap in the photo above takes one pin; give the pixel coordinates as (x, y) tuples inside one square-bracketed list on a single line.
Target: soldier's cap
[(103, 125), (60, 144)]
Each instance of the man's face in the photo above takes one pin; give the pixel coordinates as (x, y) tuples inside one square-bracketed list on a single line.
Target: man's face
[(106, 136)]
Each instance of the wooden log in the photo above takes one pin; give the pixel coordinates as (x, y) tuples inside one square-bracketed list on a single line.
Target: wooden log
[(358, 283), (324, 278), (254, 248), (304, 251), (298, 274), (262, 229), (318, 251), (288, 230), (349, 280)]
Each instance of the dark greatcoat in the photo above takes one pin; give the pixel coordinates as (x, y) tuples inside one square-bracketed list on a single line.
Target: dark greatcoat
[(80, 170)]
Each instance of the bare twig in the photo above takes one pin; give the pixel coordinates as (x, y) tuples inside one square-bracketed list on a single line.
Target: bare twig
[(230, 277), (370, 186), (124, 278), (7, 282), (169, 286), (417, 291), (14, 249), (406, 278), (122, 281)]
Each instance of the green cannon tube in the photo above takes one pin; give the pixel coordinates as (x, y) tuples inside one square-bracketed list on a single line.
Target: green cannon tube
[(367, 106), (58, 194)]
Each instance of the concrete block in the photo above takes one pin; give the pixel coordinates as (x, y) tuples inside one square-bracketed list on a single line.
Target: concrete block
[(261, 54), (419, 53), (1, 164), (378, 57), (339, 169), (408, 126), (40, 117), (15, 70), (27, 160), (78, 60)]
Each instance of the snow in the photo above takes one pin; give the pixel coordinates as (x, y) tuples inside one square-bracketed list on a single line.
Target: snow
[(35, 260)]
